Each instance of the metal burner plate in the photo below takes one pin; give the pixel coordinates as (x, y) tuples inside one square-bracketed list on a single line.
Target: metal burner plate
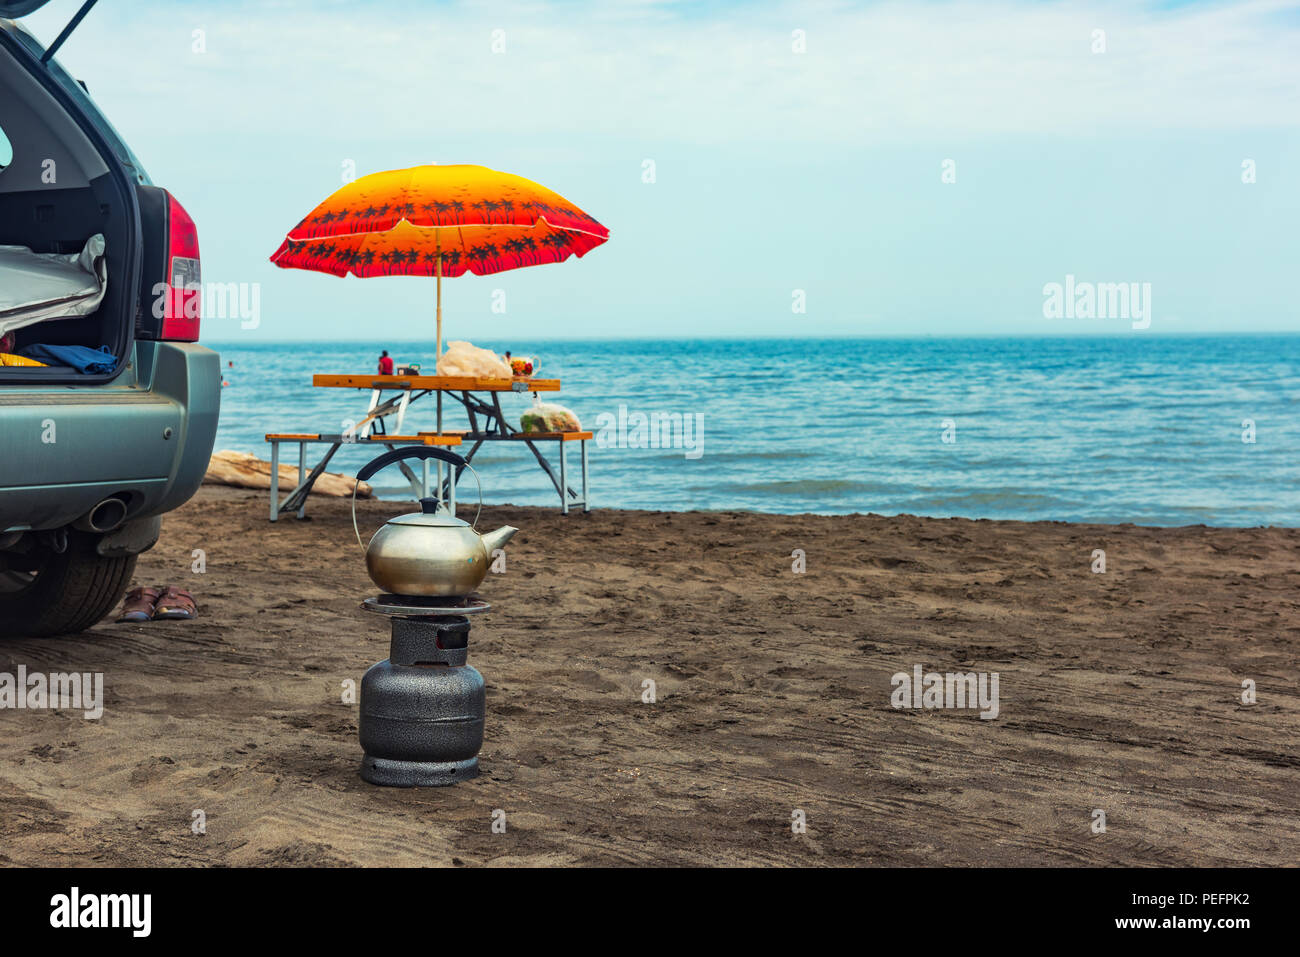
[(424, 607)]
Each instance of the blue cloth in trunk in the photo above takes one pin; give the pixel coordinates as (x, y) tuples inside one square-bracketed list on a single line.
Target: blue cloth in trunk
[(82, 358)]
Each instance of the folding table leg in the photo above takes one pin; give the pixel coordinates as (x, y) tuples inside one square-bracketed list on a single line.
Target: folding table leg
[(275, 480), (564, 485), (374, 404), (302, 474), (586, 499), (401, 410)]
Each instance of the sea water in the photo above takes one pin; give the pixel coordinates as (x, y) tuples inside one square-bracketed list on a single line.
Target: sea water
[(1146, 429)]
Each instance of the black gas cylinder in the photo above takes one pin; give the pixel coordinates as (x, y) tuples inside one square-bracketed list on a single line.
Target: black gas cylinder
[(422, 709)]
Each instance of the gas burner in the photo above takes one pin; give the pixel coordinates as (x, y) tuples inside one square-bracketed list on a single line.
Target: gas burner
[(415, 606), (422, 708)]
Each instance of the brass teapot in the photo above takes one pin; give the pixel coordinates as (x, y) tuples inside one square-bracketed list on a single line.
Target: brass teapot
[(430, 552)]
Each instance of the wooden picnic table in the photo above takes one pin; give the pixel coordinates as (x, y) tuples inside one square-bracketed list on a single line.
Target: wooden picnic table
[(412, 387), (481, 399), (447, 383)]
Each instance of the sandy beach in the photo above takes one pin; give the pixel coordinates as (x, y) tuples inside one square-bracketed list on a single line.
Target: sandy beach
[(1119, 692)]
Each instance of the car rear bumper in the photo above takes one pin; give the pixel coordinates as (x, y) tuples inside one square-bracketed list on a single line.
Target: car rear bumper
[(146, 437)]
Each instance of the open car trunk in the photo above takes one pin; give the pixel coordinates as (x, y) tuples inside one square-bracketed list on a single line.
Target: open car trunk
[(61, 187)]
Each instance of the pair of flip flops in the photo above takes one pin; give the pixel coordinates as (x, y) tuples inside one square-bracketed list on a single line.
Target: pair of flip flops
[(155, 604)]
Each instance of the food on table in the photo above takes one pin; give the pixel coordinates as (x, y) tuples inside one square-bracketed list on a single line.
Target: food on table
[(549, 417)]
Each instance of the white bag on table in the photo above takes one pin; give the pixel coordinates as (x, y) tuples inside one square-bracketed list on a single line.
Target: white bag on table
[(464, 359)]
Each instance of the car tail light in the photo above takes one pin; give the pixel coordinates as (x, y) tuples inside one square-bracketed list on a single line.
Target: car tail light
[(182, 313)]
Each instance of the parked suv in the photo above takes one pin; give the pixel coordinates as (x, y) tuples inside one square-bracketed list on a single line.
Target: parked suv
[(90, 462)]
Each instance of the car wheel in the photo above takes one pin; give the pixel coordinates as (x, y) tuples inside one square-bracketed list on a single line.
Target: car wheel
[(61, 593)]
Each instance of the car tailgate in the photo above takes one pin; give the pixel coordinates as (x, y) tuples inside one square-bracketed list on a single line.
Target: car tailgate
[(101, 436), (145, 437)]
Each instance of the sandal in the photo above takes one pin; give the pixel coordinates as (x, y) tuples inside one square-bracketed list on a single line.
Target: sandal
[(139, 604), (175, 603)]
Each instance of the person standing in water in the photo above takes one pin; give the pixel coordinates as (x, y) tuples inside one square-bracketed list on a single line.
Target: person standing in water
[(385, 363)]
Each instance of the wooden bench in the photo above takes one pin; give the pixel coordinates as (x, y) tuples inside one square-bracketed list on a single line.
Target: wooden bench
[(561, 436), (297, 499), (478, 438), (463, 434), (423, 438)]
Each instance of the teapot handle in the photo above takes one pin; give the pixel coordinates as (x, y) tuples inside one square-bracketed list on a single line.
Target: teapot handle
[(416, 452), (457, 463)]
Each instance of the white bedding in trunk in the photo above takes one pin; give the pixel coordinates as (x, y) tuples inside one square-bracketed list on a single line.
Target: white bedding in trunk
[(35, 287)]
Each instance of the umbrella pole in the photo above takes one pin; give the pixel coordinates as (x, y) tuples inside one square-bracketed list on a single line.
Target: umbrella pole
[(437, 354), (439, 346)]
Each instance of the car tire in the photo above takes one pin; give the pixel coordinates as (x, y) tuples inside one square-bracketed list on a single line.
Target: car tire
[(69, 593)]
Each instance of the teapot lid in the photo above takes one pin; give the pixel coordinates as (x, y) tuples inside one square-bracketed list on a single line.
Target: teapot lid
[(430, 516)]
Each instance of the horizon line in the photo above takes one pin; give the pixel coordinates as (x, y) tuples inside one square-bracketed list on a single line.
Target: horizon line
[(787, 338)]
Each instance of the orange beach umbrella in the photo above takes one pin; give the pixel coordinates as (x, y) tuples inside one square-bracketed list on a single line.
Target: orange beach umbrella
[(438, 221)]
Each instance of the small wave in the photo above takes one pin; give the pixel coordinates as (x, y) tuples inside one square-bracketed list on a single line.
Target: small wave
[(795, 487), (998, 500), (760, 456)]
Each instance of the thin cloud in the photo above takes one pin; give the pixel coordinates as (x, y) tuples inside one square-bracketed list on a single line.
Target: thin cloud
[(699, 74)]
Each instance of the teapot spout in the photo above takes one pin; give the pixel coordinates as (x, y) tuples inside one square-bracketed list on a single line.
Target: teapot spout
[(498, 539)]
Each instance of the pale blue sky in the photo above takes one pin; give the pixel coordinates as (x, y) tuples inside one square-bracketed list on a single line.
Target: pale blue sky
[(776, 170)]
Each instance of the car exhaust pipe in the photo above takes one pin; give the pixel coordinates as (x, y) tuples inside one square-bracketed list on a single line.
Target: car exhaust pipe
[(104, 517)]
